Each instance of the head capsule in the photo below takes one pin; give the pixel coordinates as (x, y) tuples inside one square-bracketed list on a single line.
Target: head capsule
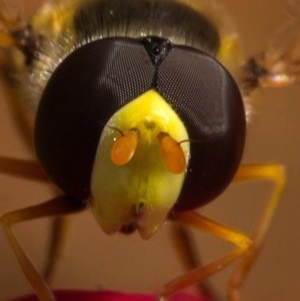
[(99, 135)]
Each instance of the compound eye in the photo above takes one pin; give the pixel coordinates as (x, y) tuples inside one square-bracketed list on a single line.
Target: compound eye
[(75, 106), (172, 153), (209, 103), (124, 147)]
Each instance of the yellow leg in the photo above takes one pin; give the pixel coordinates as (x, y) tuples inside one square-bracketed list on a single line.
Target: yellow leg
[(184, 244), (195, 220), (246, 248), (185, 247), (29, 169), (276, 174), (58, 206)]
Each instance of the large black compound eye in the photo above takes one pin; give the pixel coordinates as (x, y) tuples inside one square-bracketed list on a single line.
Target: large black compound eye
[(85, 90), (208, 101), (94, 81)]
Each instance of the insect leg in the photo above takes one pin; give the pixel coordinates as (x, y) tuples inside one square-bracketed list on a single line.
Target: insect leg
[(21, 168), (195, 220), (275, 173), (30, 169), (59, 228), (184, 244), (58, 206)]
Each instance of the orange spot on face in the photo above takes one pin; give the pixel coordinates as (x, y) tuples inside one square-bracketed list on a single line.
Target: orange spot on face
[(124, 148), (172, 153)]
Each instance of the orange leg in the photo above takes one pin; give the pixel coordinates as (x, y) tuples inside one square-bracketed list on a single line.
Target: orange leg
[(30, 169), (276, 174), (245, 247), (21, 168), (193, 219), (58, 206), (184, 245)]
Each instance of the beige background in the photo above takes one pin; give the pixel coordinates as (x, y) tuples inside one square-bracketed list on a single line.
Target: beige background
[(93, 260)]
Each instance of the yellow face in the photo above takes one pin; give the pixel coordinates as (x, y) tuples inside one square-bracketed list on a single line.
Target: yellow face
[(141, 192)]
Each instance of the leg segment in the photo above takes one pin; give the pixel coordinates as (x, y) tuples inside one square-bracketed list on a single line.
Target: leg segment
[(184, 244), (21, 168), (276, 174), (29, 169), (58, 206), (204, 224), (246, 248), (56, 244)]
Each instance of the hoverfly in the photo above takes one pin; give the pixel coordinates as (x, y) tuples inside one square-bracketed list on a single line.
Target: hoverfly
[(138, 110)]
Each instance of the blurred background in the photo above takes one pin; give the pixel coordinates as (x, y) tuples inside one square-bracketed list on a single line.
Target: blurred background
[(93, 260)]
